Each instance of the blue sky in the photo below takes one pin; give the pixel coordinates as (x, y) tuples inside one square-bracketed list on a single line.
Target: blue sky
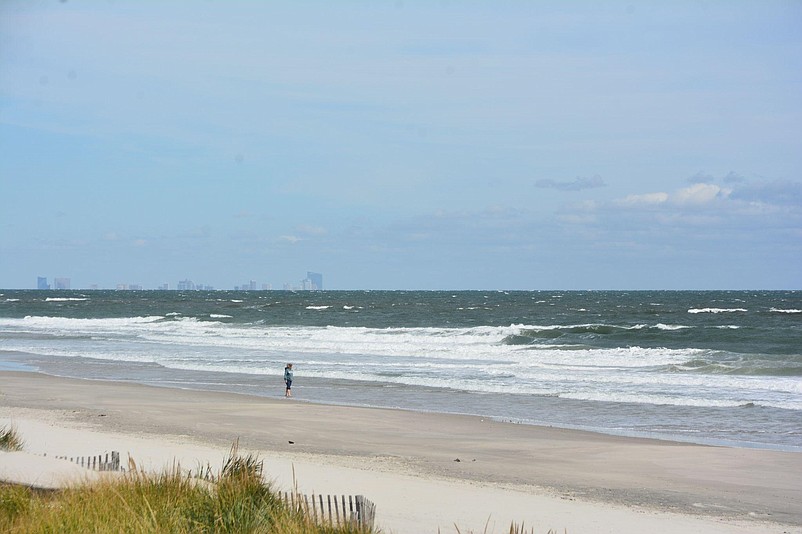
[(402, 145)]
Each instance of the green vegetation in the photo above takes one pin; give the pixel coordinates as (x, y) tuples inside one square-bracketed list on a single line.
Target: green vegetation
[(10, 439), (515, 528), (237, 502)]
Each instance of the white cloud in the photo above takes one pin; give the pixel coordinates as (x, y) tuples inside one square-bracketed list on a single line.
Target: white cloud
[(701, 193), (698, 194), (648, 198)]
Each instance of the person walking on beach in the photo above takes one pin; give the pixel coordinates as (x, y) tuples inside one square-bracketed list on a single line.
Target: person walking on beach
[(288, 380)]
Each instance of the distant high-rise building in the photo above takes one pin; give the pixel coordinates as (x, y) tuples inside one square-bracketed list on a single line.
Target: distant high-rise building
[(315, 280), (186, 285), (41, 283), (61, 283), (164, 287)]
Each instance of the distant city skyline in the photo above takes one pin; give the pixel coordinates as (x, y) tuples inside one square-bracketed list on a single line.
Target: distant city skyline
[(313, 281)]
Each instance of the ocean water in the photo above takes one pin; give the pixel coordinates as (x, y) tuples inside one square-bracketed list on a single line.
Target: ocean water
[(718, 367)]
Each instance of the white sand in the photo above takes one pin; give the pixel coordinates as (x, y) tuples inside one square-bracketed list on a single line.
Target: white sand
[(42, 472), (415, 491)]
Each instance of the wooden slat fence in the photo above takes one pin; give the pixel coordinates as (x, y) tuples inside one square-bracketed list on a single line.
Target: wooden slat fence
[(334, 509), (109, 462)]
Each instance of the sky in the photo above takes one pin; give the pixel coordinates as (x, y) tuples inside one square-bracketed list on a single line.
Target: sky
[(402, 144)]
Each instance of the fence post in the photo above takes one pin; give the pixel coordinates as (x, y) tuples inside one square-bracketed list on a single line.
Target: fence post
[(356, 512), (351, 515), (99, 462)]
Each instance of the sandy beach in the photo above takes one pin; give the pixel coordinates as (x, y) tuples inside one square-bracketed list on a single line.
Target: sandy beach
[(424, 471)]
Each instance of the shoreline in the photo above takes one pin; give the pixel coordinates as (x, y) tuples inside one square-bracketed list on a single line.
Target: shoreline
[(639, 477), (325, 392)]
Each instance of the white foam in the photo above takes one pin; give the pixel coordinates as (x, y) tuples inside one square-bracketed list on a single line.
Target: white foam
[(64, 299), (778, 310), (717, 310), (469, 359), (658, 399), (69, 322), (220, 316), (318, 307)]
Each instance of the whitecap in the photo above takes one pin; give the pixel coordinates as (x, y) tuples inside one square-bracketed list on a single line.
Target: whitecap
[(716, 310), (661, 326), (220, 316), (318, 307), (780, 310), (63, 299)]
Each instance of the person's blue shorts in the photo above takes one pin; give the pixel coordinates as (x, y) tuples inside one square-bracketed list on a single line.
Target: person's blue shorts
[(289, 384)]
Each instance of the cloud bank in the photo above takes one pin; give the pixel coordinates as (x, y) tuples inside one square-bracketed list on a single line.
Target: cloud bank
[(577, 184)]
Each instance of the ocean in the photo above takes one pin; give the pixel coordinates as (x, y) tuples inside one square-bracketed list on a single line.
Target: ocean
[(711, 367)]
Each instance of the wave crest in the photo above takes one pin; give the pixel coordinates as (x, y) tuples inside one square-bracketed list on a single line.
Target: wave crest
[(717, 310), (738, 367)]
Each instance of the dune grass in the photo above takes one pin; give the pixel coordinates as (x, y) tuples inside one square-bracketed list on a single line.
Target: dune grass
[(515, 528), (10, 439), (237, 502)]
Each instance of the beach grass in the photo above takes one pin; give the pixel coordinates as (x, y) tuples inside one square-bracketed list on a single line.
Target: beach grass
[(237, 502), (515, 528), (10, 439)]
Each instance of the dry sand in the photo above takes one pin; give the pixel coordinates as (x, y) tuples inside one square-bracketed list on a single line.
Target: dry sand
[(407, 464)]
